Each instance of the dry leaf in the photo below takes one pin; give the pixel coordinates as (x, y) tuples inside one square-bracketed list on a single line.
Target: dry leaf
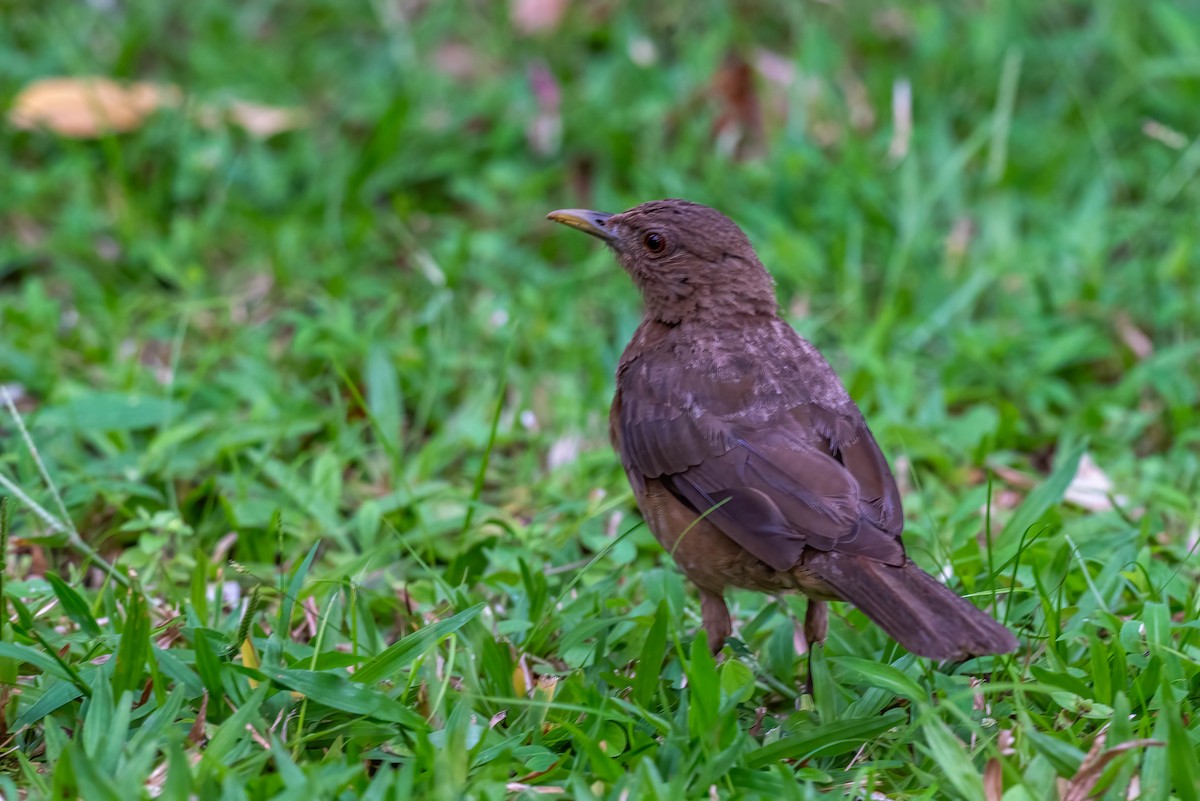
[(1134, 338), (17, 395), (265, 121), (1161, 133), (29, 233), (779, 70), (543, 789), (892, 23), (88, 107), (1014, 477), (642, 51), (778, 75), (258, 120), (544, 131), (91, 107), (738, 129), (547, 686), (458, 60), (1005, 499), (536, 16), (158, 777), (1091, 488), (564, 451), (759, 714), (993, 781), (1080, 787), (901, 119), (858, 101), (196, 734), (958, 241)]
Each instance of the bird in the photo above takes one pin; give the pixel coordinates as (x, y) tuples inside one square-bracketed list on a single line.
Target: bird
[(748, 459)]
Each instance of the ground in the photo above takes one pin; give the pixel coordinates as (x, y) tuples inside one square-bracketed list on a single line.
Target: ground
[(315, 414)]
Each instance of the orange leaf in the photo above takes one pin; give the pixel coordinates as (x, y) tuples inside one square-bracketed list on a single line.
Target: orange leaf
[(88, 107)]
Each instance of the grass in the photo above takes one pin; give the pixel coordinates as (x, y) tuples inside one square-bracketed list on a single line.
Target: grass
[(333, 404)]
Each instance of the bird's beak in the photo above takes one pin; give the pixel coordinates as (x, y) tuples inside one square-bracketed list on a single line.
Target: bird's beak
[(590, 222)]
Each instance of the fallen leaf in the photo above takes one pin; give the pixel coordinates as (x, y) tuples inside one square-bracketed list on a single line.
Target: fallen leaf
[(858, 101), (17, 395), (93, 106), (778, 69), (546, 687), (543, 789), (264, 121), (958, 241), (30, 233), (993, 780), (544, 131), (1134, 338), (738, 129), (158, 777), (901, 119), (1091, 488), (564, 451), (1014, 477), (776, 89), (892, 23), (1161, 133), (614, 524), (536, 16), (642, 51), (759, 714), (258, 120), (458, 60), (89, 107), (1080, 786), (196, 734)]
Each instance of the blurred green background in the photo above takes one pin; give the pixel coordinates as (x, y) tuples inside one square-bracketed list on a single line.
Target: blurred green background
[(360, 334)]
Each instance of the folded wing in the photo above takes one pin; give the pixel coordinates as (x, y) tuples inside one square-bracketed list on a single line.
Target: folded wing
[(777, 475)]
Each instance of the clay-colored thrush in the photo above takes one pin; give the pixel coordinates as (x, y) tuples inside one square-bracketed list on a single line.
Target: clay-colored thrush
[(747, 457)]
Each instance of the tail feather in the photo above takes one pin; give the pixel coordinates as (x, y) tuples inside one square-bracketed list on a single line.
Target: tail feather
[(918, 611)]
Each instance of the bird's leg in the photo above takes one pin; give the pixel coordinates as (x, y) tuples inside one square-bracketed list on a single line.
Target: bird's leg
[(816, 626), (715, 615), (816, 622)]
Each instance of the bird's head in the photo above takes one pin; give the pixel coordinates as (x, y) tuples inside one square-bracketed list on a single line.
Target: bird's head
[(689, 261)]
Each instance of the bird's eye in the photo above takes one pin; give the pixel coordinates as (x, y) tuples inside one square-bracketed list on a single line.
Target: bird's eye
[(655, 242)]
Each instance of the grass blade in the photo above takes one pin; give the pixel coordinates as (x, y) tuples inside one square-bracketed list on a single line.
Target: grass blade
[(404, 651), (827, 739)]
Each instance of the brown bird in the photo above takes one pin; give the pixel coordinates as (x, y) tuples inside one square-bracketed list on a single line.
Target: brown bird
[(748, 459)]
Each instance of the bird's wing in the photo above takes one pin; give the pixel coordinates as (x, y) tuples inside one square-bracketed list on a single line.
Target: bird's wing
[(777, 472)]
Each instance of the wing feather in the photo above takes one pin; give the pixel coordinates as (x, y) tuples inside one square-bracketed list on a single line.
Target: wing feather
[(777, 473)]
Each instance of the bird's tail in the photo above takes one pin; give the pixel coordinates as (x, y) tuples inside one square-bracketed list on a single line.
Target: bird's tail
[(918, 611)]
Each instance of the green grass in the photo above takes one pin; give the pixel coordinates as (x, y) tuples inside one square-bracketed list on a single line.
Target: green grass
[(343, 393)]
